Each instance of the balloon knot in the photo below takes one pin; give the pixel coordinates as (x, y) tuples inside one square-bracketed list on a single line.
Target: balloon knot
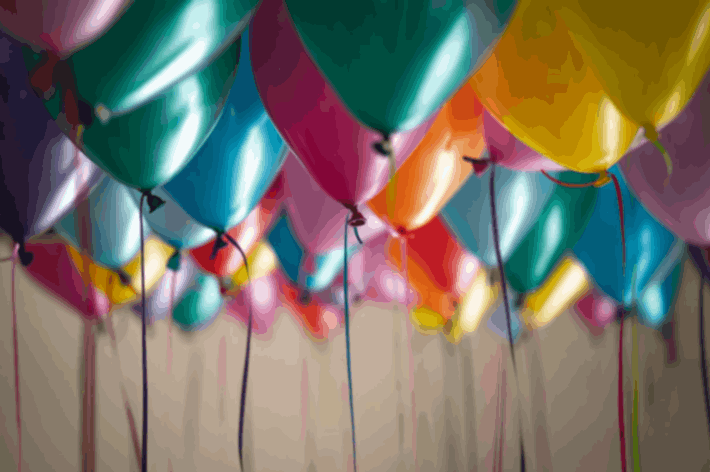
[(604, 178), (124, 278), (174, 261), (357, 219), (154, 202), (305, 297), (219, 243), (26, 258), (384, 147), (42, 77), (479, 165)]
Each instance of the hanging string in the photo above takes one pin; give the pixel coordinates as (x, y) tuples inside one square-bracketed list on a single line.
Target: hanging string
[(501, 269), (348, 222), (173, 282), (622, 427), (250, 327), (16, 357), (703, 354), (652, 135), (144, 324), (89, 398), (498, 452), (635, 408)]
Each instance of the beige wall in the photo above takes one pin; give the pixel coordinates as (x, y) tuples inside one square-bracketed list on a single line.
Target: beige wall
[(455, 390)]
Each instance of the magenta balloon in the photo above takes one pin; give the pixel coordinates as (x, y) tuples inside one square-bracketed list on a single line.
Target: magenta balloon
[(335, 148), (508, 151), (62, 26), (263, 295), (684, 204), (317, 219)]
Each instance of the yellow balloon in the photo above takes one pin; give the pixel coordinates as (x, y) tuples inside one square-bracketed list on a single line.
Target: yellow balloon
[(564, 286), (157, 254), (651, 55), (262, 262), (427, 321), (105, 280), (540, 85)]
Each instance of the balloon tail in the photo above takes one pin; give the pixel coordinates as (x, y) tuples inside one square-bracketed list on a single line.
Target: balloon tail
[(479, 165), (357, 218), (245, 374), (622, 427), (347, 341), (16, 357), (144, 455), (703, 354), (635, 407), (357, 234)]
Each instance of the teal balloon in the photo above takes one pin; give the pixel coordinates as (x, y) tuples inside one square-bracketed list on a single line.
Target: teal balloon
[(292, 257), (237, 163), (199, 305), (395, 63), (520, 198), (149, 145), (556, 230), (115, 225)]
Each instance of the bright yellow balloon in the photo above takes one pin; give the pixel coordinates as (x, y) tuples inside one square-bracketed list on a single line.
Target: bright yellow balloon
[(157, 254), (540, 85), (427, 321), (262, 262), (105, 280), (651, 55)]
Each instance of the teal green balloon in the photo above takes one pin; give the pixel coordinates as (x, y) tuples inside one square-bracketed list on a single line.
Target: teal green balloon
[(557, 229), (394, 63), (199, 305), (148, 146)]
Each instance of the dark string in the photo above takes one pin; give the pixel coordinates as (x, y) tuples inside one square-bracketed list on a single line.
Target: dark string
[(245, 374), (501, 269), (622, 427), (347, 341), (703, 355), (144, 456), (357, 234)]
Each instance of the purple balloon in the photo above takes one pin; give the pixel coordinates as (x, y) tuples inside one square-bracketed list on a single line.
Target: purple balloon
[(44, 174), (683, 205)]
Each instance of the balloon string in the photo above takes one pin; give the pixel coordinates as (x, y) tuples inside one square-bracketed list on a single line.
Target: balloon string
[(622, 427), (569, 185), (497, 452), (703, 355), (169, 354), (410, 352), (347, 341), (501, 438), (666, 158), (501, 269), (635, 408), (89, 400), (357, 235), (16, 358), (144, 455), (245, 375)]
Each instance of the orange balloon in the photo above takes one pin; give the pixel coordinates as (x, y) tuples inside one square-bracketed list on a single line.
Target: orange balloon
[(435, 170)]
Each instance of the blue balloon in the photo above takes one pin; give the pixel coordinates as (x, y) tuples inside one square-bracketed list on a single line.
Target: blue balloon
[(520, 198), (115, 225), (199, 306), (292, 257), (237, 163), (498, 322), (653, 255)]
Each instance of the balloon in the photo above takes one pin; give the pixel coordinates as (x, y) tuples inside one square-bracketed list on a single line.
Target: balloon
[(173, 225), (228, 259), (157, 255), (115, 225), (650, 56), (148, 145), (62, 26), (596, 311), (558, 227), (237, 163), (262, 262), (53, 268), (107, 282), (498, 322), (394, 65), (683, 204), (199, 305), (475, 304), (653, 255), (317, 219), (44, 174), (311, 272), (340, 157), (263, 298), (543, 89), (520, 198)]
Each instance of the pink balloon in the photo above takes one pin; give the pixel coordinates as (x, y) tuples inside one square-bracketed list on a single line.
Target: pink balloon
[(683, 205), (508, 151), (263, 295), (335, 148), (317, 219), (62, 26), (596, 311)]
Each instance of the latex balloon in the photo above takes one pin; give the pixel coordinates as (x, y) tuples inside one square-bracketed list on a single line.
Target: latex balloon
[(44, 174), (389, 79), (479, 298), (115, 225), (596, 311), (520, 198), (683, 203), (237, 163), (263, 298), (157, 255), (173, 225), (262, 262), (148, 145), (107, 282), (312, 273), (653, 255), (62, 26), (198, 307), (337, 150), (650, 56), (317, 219), (543, 89), (228, 259), (558, 227), (53, 268), (308, 312)]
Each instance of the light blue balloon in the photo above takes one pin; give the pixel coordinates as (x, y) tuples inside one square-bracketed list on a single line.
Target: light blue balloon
[(199, 306), (115, 225), (520, 198), (237, 163), (498, 322)]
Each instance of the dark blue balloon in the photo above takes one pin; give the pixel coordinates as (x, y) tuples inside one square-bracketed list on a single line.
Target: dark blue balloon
[(237, 163)]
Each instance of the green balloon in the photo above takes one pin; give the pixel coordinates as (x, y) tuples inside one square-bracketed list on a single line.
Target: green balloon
[(200, 304), (148, 146), (558, 228), (394, 63)]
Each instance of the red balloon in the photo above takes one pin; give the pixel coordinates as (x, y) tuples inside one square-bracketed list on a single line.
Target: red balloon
[(335, 148), (307, 311)]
